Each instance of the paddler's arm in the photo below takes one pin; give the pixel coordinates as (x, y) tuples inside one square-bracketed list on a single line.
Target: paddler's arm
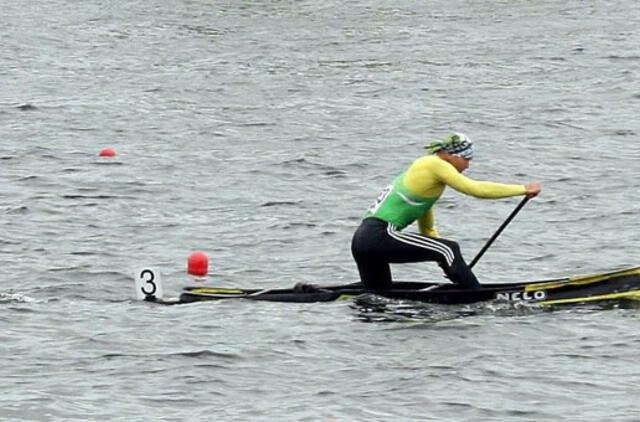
[(427, 224), (448, 175)]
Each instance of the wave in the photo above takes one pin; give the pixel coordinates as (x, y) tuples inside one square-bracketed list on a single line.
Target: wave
[(15, 298), (197, 354)]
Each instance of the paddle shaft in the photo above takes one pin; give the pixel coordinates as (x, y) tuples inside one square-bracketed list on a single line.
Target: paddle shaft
[(497, 233)]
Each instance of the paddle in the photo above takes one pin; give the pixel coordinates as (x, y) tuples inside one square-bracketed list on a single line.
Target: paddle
[(497, 233)]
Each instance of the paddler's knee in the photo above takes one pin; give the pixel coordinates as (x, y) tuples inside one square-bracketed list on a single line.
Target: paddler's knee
[(451, 244)]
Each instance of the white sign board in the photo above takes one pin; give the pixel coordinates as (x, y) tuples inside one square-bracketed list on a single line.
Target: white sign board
[(148, 284)]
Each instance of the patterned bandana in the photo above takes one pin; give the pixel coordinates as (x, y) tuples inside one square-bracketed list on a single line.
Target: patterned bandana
[(457, 144)]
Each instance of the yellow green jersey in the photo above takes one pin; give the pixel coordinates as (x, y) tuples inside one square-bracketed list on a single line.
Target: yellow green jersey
[(412, 195)]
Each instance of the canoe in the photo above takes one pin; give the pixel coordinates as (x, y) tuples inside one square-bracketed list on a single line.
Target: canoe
[(621, 284)]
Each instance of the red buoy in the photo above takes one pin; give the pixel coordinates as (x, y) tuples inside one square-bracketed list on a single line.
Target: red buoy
[(198, 264), (108, 152)]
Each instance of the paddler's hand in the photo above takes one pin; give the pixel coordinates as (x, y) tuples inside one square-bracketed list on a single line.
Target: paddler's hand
[(533, 189)]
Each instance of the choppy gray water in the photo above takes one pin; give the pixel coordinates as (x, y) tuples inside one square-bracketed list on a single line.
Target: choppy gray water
[(259, 131)]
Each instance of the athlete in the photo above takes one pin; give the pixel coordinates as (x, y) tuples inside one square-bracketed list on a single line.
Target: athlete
[(379, 239)]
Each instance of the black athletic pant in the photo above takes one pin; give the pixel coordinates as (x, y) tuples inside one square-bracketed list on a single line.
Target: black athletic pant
[(377, 243)]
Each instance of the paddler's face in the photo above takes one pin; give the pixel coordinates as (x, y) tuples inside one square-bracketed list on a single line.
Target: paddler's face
[(460, 163)]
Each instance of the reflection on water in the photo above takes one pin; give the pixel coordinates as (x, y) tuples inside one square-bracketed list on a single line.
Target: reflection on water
[(373, 308)]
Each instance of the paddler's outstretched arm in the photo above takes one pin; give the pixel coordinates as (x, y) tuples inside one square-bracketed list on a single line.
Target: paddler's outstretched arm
[(427, 223), (447, 174)]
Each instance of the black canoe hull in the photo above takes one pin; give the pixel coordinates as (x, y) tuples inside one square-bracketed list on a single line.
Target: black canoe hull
[(614, 285)]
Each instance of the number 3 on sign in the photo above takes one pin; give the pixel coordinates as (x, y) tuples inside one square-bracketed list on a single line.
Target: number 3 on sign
[(148, 284)]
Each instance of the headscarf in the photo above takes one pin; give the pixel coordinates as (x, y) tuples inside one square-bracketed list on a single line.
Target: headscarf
[(457, 144)]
